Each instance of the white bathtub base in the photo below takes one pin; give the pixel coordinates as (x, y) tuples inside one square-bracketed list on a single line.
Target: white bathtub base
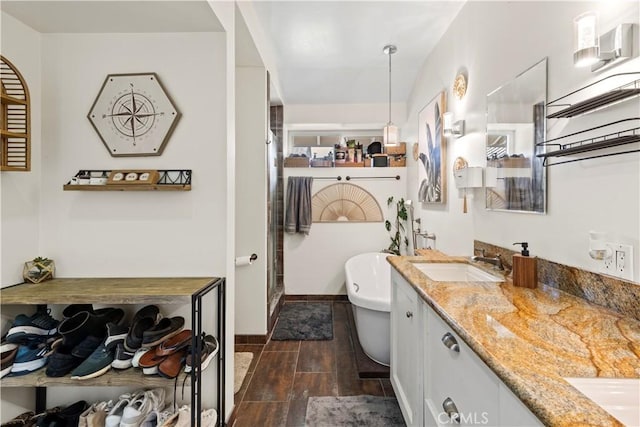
[(373, 329), (368, 283)]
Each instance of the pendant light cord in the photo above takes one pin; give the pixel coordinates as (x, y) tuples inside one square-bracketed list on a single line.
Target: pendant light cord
[(390, 52), (390, 49)]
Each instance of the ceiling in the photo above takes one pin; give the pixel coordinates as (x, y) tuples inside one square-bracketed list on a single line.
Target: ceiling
[(324, 52), (330, 52), (95, 16)]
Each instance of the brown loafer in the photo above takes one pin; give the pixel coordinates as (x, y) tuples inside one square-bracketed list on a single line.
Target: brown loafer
[(174, 343), (171, 366)]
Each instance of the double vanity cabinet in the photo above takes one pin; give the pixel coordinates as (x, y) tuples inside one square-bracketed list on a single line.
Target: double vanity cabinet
[(437, 378)]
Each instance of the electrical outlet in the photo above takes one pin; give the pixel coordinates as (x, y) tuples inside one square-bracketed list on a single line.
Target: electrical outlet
[(609, 264), (620, 264)]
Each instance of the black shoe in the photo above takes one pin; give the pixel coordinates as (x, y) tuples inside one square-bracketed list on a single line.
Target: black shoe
[(25, 328), (67, 417), (60, 363), (116, 334), (75, 329), (134, 338), (109, 315), (73, 309), (86, 347), (123, 358), (151, 311), (166, 328)]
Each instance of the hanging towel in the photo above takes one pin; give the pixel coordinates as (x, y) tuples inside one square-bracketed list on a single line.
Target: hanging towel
[(298, 213), (518, 193)]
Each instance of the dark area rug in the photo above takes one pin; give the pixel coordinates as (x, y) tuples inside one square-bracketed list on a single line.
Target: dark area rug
[(304, 321), (370, 411)]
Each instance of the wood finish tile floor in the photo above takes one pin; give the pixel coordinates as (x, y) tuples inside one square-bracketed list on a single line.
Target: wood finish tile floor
[(284, 374)]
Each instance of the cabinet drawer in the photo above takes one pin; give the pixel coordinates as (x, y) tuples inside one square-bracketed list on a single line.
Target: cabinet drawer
[(457, 376)]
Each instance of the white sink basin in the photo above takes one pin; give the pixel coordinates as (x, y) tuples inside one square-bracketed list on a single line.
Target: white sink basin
[(455, 272), (618, 396)]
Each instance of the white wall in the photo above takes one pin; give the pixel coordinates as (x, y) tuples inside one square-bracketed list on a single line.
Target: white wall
[(20, 192), (314, 264), (94, 234), (225, 11), (346, 115), (495, 41), (251, 205)]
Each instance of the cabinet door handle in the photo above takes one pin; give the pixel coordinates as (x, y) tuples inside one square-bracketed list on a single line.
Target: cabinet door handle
[(409, 314), (452, 410), (450, 342)]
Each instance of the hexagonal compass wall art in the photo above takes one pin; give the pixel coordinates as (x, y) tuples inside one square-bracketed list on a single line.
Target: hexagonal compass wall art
[(133, 115)]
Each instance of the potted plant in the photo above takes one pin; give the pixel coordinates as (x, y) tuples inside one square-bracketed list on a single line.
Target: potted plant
[(38, 270), (397, 230)]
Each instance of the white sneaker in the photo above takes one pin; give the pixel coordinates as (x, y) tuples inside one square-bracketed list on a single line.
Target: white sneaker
[(115, 414), (95, 414), (209, 418), (156, 418), (135, 362), (182, 418), (140, 407)]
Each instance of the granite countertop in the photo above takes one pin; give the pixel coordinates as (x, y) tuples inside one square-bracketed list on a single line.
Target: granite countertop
[(531, 338)]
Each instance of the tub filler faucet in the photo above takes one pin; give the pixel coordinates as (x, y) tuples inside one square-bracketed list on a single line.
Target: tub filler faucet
[(424, 234), (414, 223)]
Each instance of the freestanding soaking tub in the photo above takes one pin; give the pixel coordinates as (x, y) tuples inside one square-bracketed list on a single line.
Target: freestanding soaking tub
[(369, 289)]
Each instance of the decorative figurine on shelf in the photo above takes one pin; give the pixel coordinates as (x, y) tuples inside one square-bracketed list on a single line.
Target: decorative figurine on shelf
[(38, 270)]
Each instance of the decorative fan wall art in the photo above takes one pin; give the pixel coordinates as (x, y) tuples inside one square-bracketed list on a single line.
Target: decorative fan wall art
[(345, 203)]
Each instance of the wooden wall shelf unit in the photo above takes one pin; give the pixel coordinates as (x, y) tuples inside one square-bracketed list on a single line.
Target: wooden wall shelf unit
[(118, 291), (169, 180), (15, 119)]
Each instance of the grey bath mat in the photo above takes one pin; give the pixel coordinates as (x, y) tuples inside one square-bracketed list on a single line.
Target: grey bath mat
[(304, 321), (370, 411)]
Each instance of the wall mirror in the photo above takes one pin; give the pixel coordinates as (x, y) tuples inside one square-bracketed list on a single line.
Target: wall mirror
[(515, 177)]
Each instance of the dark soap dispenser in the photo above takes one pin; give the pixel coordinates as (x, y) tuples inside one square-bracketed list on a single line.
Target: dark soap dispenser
[(525, 271)]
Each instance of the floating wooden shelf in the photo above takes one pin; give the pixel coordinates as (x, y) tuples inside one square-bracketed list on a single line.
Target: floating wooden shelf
[(129, 187), (125, 378), (169, 180)]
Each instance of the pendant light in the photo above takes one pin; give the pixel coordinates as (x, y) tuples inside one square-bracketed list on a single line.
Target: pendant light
[(390, 130)]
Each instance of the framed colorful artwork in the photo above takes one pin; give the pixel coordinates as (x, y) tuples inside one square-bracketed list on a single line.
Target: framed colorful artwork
[(433, 146)]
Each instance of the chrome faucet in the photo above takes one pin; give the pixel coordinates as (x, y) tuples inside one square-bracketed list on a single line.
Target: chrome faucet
[(495, 261), (426, 235)]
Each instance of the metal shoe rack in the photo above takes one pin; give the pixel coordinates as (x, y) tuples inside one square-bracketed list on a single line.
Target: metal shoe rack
[(600, 94), (119, 291)]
